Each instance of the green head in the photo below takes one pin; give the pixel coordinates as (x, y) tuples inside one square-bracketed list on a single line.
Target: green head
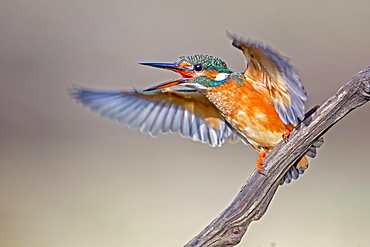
[(198, 71)]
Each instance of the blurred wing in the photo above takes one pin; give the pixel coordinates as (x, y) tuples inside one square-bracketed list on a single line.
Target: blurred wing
[(185, 111), (265, 67)]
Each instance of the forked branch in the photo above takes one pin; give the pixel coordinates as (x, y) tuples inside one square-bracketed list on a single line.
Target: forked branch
[(255, 196)]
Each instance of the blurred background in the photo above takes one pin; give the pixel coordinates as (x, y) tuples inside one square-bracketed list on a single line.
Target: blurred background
[(71, 178)]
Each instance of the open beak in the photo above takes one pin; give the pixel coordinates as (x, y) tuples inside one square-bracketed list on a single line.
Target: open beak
[(186, 74)]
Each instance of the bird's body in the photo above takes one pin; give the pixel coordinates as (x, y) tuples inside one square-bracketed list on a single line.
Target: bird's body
[(260, 126), (211, 103)]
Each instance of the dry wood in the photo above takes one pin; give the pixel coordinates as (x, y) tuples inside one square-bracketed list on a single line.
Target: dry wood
[(255, 196)]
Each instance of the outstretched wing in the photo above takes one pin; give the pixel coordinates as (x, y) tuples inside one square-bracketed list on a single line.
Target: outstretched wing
[(267, 68), (185, 111)]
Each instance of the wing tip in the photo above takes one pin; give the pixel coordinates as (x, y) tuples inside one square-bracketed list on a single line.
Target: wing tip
[(75, 92), (234, 38), (239, 41)]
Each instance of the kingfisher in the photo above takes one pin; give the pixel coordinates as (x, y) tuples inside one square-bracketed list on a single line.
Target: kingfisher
[(212, 104)]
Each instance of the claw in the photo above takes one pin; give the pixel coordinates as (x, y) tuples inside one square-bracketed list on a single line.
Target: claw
[(262, 173)]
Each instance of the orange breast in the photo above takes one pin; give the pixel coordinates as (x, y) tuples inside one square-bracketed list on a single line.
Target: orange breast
[(249, 109)]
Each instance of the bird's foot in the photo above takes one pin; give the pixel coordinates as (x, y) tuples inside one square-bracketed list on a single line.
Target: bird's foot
[(286, 135), (260, 161)]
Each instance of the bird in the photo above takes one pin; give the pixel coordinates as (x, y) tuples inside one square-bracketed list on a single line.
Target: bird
[(213, 104)]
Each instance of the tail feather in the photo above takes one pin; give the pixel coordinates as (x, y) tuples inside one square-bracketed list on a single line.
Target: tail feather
[(300, 167)]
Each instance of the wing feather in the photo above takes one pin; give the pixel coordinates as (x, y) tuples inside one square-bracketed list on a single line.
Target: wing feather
[(168, 119), (267, 68), (157, 123), (185, 111)]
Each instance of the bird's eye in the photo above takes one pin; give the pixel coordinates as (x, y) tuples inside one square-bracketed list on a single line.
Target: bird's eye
[(198, 67)]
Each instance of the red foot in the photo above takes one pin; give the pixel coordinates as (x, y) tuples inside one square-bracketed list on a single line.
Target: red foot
[(260, 159), (286, 134)]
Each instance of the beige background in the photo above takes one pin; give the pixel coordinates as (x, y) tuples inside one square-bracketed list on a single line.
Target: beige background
[(70, 178)]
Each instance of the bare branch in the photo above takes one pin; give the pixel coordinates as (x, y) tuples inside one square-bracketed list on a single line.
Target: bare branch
[(253, 199)]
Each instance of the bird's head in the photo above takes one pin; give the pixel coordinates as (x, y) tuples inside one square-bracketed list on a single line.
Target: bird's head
[(197, 71)]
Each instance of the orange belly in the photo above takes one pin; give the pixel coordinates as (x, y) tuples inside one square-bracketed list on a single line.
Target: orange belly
[(250, 111)]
